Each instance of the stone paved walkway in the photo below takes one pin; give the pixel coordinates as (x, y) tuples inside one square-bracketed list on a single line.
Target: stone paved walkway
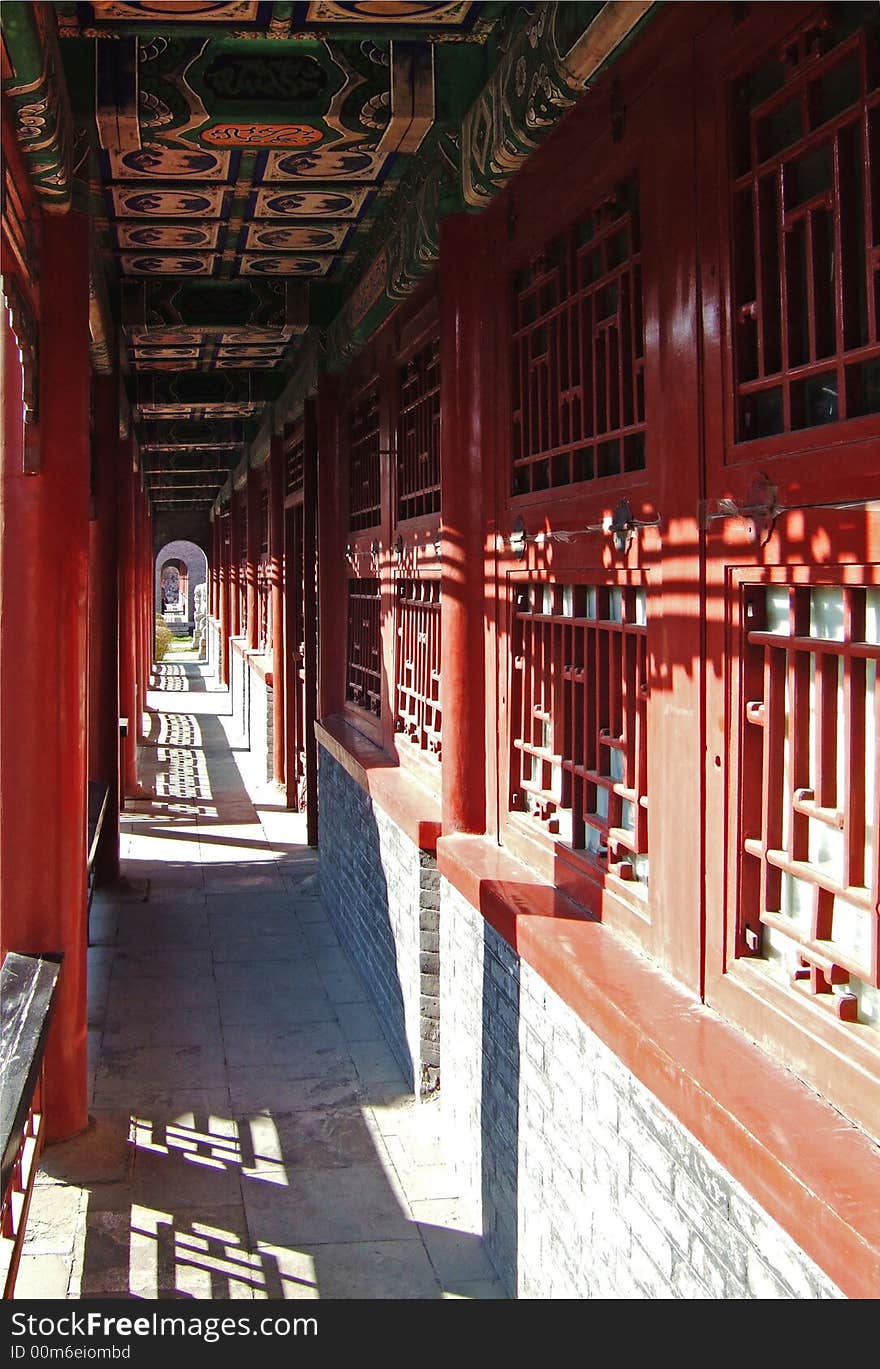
[(251, 1135)]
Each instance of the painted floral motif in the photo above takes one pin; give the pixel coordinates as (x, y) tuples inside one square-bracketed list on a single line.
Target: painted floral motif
[(261, 135)]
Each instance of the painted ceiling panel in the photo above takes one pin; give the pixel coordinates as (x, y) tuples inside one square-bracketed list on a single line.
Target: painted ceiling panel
[(245, 153)]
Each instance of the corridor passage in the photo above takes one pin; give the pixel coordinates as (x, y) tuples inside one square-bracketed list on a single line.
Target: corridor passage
[(251, 1135)]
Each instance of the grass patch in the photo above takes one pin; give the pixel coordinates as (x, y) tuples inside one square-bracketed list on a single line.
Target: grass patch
[(180, 644)]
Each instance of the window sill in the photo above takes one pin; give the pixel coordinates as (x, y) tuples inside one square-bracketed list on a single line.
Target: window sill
[(414, 808), (809, 1168)]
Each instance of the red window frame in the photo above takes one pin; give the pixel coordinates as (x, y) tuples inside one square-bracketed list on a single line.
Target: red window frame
[(262, 569), (608, 188), (790, 329), (812, 526), (413, 386)]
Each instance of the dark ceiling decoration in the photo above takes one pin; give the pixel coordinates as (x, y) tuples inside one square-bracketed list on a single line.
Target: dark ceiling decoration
[(266, 180), (244, 152)]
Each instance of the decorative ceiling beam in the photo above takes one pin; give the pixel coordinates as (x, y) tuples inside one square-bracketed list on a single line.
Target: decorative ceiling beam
[(239, 311), (545, 71), (33, 81)]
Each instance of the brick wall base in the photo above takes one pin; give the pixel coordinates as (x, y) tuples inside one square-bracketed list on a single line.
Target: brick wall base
[(588, 1186), (382, 895)]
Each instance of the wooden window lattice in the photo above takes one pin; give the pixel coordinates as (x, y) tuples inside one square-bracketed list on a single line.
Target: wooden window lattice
[(578, 353), (810, 797), (363, 674), (243, 566), (294, 466), (264, 519), (363, 462), (263, 597), (807, 236), (579, 759), (418, 663), (418, 434)]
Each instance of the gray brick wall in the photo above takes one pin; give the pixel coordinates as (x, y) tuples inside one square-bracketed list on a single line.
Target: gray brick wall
[(259, 724), (587, 1186), (382, 895)]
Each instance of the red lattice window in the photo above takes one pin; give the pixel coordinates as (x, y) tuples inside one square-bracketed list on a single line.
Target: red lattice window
[(294, 463), (242, 565), (363, 672), (264, 519), (807, 236), (263, 596), (578, 353), (418, 663), (810, 797), (365, 500), (418, 434), (579, 759)]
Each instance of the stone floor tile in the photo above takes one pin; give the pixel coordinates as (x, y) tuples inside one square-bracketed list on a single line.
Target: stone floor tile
[(478, 1289), (357, 1269), (239, 1008), (458, 1257), (286, 1048), (154, 1252), (344, 987), (102, 1154), (43, 1276), (53, 1218), (277, 1092), (358, 1022), (375, 1062), (325, 1138), (251, 1133), (352, 1204)]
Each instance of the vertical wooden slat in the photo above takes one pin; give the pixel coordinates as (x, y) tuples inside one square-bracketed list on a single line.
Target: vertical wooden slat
[(773, 757), (798, 724), (854, 699)]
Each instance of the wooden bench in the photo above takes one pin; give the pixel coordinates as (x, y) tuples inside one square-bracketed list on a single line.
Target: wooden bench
[(27, 994)]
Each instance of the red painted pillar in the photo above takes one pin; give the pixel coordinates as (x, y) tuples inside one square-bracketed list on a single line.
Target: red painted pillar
[(43, 695), (127, 617), (252, 553), (212, 600), (467, 361), (149, 599), (234, 566), (332, 537), (276, 605), (145, 598), (225, 597), (137, 624), (104, 619)]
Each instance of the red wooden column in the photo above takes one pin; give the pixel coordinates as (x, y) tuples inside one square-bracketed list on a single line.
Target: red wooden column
[(43, 695), (148, 594), (215, 535), (224, 595), (234, 565), (137, 617), (332, 538), (252, 553), (276, 604), (127, 618), (467, 364), (104, 619)]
